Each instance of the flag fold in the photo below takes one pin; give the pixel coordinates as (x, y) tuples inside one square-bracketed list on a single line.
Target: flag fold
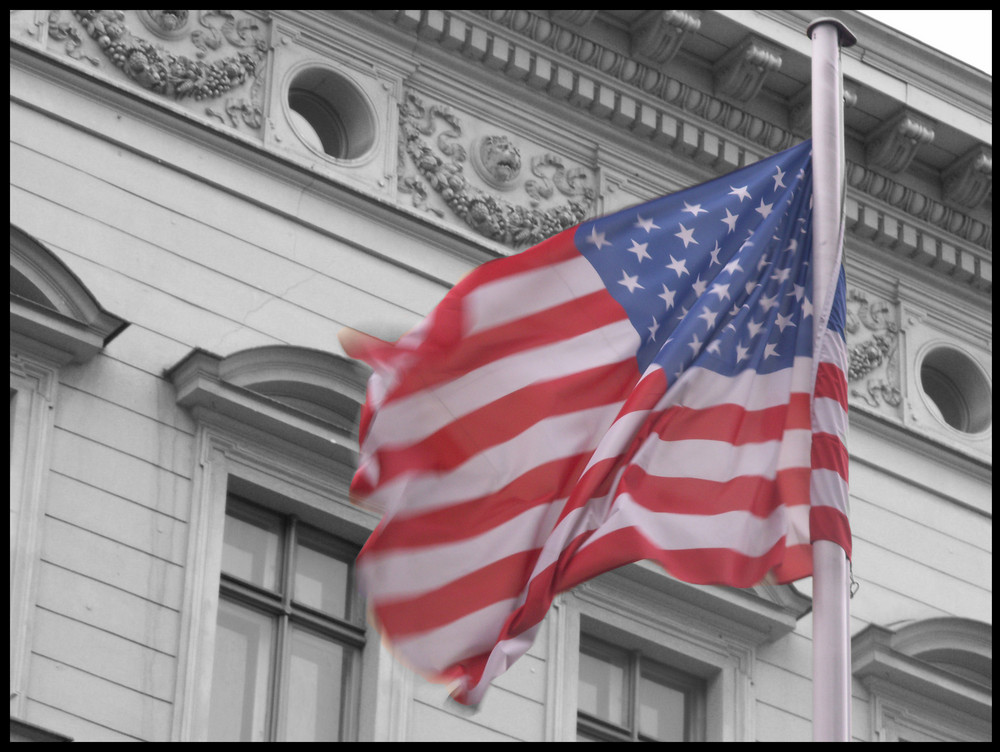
[(646, 385)]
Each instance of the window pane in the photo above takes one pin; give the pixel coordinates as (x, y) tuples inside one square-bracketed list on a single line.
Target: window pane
[(661, 711), (315, 688), (602, 689), (321, 581), (241, 674), (251, 552)]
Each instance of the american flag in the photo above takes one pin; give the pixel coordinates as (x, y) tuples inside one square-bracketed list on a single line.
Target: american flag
[(654, 384)]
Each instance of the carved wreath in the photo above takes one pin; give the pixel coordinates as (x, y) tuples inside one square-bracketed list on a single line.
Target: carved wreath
[(881, 348), (488, 215), (176, 76)]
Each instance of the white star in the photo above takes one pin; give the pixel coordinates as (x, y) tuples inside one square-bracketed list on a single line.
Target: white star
[(741, 192), (695, 210), (694, 344), (793, 245), (715, 254), (668, 297), (653, 329), (709, 316), (597, 238), (784, 321), (807, 308), (730, 220), (777, 179), (770, 349), (764, 209), (799, 291), (630, 282), (699, 286), (645, 224), (714, 347), (768, 303), (720, 289), (781, 274), (733, 266), (741, 353), (678, 266), (754, 328), (686, 235), (639, 249)]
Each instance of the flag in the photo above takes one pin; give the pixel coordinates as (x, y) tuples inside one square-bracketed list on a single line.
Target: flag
[(652, 384)]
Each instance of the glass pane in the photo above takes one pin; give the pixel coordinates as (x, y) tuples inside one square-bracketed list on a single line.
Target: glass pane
[(321, 581), (602, 688), (240, 675), (661, 711), (315, 688), (251, 552)]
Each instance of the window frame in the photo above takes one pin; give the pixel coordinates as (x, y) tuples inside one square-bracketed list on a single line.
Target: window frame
[(280, 458), (639, 665), (281, 607)]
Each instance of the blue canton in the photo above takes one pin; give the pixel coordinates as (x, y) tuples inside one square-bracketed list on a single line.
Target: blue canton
[(717, 275)]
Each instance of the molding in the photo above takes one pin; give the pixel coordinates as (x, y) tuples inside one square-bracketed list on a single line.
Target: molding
[(878, 658), (52, 313), (664, 112), (203, 385)]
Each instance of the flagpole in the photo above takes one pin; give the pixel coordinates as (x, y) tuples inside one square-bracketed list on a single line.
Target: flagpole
[(831, 630)]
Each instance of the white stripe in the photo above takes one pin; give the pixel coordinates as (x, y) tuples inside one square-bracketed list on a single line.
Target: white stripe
[(490, 470), (437, 649), (829, 417), (408, 572), (828, 488), (536, 290), (738, 530), (700, 388), (412, 418), (720, 461)]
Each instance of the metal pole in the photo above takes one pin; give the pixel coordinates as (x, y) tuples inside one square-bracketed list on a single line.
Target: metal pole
[(831, 629)]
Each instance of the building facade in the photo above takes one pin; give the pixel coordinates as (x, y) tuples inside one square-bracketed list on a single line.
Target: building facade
[(201, 200)]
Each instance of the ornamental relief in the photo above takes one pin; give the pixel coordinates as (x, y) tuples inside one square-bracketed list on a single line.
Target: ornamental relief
[(873, 368), (485, 180), (211, 56)]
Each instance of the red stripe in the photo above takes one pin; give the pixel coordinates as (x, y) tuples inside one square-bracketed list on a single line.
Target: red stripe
[(497, 581), (552, 251), (508, 417), (831, 383), (540, 485), (732, 423), (829, 453), (680, 495), (827, 523)]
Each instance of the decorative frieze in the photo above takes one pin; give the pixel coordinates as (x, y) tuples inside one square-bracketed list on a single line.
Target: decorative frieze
[(212, 56), (435, 149), (873, 368), (894, 144)]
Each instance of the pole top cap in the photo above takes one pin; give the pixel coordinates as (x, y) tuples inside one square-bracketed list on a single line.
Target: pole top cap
[(845, 37)]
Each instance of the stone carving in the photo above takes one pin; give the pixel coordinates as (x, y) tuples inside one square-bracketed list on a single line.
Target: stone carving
[(178, 76), (741, 72), (970, 179), (873, 362), (497, 161), (895, 143), (430, 140), (659, 34)]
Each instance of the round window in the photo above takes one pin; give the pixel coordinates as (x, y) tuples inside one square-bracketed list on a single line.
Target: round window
[(957, 389), (330, 114)]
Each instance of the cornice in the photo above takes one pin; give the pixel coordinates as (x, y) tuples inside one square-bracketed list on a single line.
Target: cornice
[(939, 226)]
